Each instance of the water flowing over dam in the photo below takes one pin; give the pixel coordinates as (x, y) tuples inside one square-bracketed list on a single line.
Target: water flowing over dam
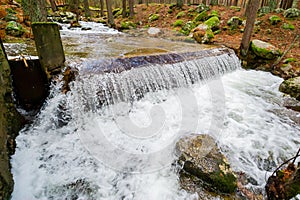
[(113, 135)]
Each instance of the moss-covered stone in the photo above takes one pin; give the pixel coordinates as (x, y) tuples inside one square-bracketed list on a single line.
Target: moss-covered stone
[(11, 17), (201, 16), (202, 159), (274, 19), (180, 15), (292, 87), (213, 23), (234, 22), (186, 29), (292, 13), (153, 17), (214, 13), (289, 60), (264, 10), (14, 29), (288, 26), (264, 50), (128, 25), (178, 23), (201, 7), (236, 8)]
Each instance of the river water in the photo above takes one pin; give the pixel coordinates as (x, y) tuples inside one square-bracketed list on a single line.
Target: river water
[(79, 148)]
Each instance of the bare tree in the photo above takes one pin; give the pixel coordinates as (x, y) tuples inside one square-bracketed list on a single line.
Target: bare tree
[(111, 21), (251, 15), (53, 5), (131, 11), (124, 7), (87, 8), (101, 8)]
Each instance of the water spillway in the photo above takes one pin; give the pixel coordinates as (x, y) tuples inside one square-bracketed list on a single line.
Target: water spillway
[(125, 149)]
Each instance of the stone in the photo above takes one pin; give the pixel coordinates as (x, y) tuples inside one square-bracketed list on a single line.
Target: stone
[(201, 7), (291, 86), (214, 13), (14, 29), (153, 17), (201, 158), (291, 13), (264, 50), (11, 17), (288, 26), (201, 16), (264, 10), (70, 15), (234, 22), (178, 23), (274, 19), (180, 15), (213, 23), (154, 31), (127, 25), (187, 27)]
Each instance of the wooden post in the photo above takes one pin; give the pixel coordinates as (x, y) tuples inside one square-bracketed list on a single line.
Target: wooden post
[(49, 46)]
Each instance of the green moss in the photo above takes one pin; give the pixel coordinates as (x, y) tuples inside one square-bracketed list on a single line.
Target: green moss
[(153, 17), (288, 26), (236, 8), (186, 29), (15, 29), (264, 50), (201, 17), (225, 183), (234, 22), (127, 25), (274, 19), (213, 23), (289, 60), (178, 23), (180, 14), (170, 11), (214, 13), (10, 10)]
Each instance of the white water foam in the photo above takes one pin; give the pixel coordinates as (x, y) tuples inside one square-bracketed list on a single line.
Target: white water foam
[(66, 162)]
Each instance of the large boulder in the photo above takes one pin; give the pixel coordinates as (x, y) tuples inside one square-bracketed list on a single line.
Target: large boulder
[(201, 159), (213, 23), (203, 34), (264, 50), (292, 87)]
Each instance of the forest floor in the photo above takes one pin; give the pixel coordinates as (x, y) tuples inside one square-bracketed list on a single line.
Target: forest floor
[(274, 34)]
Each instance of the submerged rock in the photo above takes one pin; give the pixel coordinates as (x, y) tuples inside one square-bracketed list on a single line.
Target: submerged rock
[(264, 50), (292, 87), (202, 161)]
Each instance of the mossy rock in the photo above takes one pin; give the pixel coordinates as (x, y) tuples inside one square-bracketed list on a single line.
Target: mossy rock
[(153, 17), (178, 23), (264, 50), (264, 10), (186, 29), (234, 22), (236, 8), (274, 19), (201, 16), (291, 13), (279, 10), (208, 37), (288, 26), (201, 158), (180, 15), (214, 13), (127, 25), (292, 87), (14, 29), (10, 10), (11, 17), (170, 11), (201, 7), (289, 60), (213, 23), (116, 10)]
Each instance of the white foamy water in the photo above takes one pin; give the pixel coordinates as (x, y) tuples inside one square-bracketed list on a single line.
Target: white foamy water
[(126, 150)]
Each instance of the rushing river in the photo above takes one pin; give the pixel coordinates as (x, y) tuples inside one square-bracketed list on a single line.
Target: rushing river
[(79, 148)]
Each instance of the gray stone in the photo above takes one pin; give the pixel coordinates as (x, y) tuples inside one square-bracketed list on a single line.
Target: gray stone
[(264, 50), (292, 87), (153, 31), (291, 13)]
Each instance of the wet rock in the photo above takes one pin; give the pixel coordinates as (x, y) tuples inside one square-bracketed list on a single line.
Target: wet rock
[(14, 29), (264, 50), (274, 19), (291, 13), (201, 159), (154, 31), (292, 87)]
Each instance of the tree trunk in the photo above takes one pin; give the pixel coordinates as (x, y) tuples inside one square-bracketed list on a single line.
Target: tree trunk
[(131, 11), (43, 10), (251, 15), (124, 7), (111, 21), (53, 5), (101, 8), (87, 8)]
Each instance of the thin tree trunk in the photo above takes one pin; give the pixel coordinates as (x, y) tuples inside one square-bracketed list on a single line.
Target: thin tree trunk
[(87, 8), (111, 21), (251, 15), (124, 7), (101, 8), (43, 10), (131, 11), (53, 5)]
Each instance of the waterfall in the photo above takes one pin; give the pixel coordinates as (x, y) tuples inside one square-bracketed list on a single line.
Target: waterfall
[(127, 80)]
